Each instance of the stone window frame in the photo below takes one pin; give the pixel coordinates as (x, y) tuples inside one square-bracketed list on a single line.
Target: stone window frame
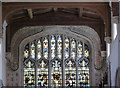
[(87, 33)]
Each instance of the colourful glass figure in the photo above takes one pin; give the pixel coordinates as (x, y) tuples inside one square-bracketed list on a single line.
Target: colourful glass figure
[(52, 46), (70, 72), (59, 46), (45, 48), (56, 73), (83, 74), (73, 49), (66, 48), (39, 49), (29, 75), (33, 50), (42, 75), (26, 52)]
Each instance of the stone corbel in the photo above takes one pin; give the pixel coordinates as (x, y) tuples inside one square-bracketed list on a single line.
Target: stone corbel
[(108, 40), (101, 61), (115, 19), (11, 64)]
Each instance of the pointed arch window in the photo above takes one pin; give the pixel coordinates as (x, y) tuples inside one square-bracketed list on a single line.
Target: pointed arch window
[(56, 60)]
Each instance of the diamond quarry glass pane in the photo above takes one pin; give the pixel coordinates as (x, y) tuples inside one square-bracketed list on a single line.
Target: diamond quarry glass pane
[(42, 74), (33, 50), (73, 49), (70, 72), (79, 50), (39, 49), (45, 48), (59, 46), (83, 74), (66, 48), (29, 75), (86, 51), (56, 78), (52, 46), (26, 51)]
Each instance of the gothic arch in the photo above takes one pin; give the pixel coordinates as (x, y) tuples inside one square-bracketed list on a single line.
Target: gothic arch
[(30, 33)]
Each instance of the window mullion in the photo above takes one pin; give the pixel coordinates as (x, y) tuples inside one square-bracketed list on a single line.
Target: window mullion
[(63, 65), (36, 66), (70, 48), (83, 50), (49, 61), (76, 64)]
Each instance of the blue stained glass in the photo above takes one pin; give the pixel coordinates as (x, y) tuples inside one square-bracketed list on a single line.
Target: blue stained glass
[(45, 48), (26, 52), (86, 51)]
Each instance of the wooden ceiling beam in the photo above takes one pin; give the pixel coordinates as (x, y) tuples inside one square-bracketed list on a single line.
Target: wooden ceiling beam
[(30, 13), (80, 12)]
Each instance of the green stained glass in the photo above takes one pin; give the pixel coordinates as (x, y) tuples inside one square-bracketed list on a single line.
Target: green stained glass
[(56, 74), (39, 49), (53, 46), (59, 46), (45, 48), (66, 48), (42, 74)]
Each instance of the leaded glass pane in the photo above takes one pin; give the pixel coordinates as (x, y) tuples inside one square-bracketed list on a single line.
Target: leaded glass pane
[(70, 72), (42, 74), (56, 78), (52, 46), (33, 50), (83, 74), (45, 48), (26, 52), (73, 49), (86, 51), (59, 46), (66, 48), (39, 49), (79, 50), (29, 75)]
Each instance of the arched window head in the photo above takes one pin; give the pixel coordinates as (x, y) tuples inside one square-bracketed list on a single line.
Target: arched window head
[(56, 60)]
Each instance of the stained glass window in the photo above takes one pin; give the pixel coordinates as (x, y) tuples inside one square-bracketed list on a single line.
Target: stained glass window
[(44, 69), (42, 74), (59, 46), (70, 74), (29, 74), (83, 74), (56, 74), (33, 50), (26, 51), (45, 48), (39, 49), (79, 50), (73, 49), (66, 48), (52, 46), (86, 51)]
